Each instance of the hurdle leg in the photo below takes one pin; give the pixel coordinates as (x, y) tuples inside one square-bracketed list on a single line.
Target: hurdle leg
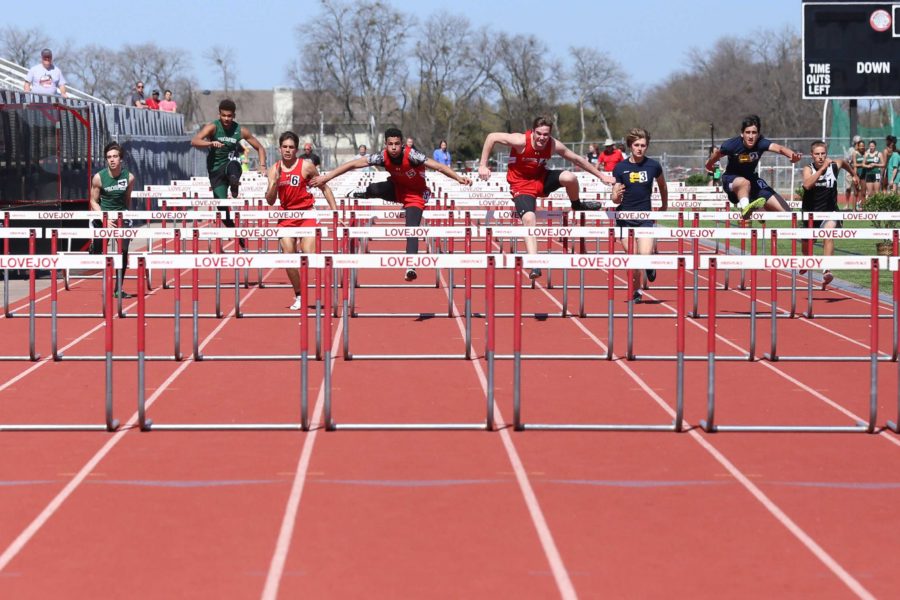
[(111, 423), (709, 424)]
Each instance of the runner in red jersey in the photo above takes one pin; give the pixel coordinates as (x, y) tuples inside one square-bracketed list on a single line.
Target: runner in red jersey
[(528, 176), (288, 180), (406, 183)]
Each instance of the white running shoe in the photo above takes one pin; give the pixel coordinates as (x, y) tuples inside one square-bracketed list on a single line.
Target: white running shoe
[(298, 303)]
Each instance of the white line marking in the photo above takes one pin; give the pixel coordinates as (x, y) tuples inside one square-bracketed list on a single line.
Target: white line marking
[(548, 544), (842, 574), (31, 530), (289, 520)]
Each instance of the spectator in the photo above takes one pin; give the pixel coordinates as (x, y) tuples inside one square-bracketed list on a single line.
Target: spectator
[(441, 154), (892, 172), (592, 154), (153, 100), (610, 157), (410, 143), (137, 96), (309, 155), (364, 151), (167, 104), (46, 78), (890, 150)]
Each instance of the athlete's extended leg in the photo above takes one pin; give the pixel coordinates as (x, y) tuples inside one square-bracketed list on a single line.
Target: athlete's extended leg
[(643, 246), (776, 203), (289, 246), (413, 215), (120, 273)]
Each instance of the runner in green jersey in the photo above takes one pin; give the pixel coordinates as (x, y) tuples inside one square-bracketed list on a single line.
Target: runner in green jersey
[(111, 191), (223, 138)]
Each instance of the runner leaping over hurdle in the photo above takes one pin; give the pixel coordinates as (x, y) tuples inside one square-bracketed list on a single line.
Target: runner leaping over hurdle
[(405, 185), (741, 181), (289, 180), (528, 176), (632, 192), (222, 138)]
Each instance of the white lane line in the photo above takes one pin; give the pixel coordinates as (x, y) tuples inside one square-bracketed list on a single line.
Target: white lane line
[(291, 510), (53, 506), (548, 544), (830, 563)]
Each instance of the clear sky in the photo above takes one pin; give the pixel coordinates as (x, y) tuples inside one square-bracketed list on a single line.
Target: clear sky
[(650, 39)]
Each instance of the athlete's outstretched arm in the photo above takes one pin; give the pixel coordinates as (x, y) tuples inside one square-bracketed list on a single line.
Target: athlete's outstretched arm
[(356, 163), (786, 152), (251, 139), (442, 168), (498, 137), (582, 162), (311, 172), (201, 138), (713, 159)]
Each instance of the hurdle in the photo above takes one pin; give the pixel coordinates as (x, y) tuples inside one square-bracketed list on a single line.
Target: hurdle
[(481, 261), (429, 261), (403, 261), (302, 262), (30, 262), (108, 264), (874, 264), (197, 262), (668, 262)]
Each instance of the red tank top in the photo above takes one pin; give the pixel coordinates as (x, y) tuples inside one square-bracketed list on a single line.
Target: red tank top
[(527, 169), (408, 180), (292, 191)]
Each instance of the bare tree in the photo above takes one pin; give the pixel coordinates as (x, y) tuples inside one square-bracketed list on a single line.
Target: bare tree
[(595, 79), (525, 78), (454, 63), (92, 69), (222, 59), (22, 46), (362, 60)]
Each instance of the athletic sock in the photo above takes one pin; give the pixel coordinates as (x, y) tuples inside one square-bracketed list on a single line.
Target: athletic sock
[(743, 202)]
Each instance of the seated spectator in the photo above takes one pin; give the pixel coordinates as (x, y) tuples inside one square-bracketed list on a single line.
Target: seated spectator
[(137, 96), (441, 154), (167, 104), (153, 100), (46, 78), (592, 154)]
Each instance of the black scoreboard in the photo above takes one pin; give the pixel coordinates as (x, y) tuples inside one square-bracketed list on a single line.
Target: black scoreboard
[(851, 49)]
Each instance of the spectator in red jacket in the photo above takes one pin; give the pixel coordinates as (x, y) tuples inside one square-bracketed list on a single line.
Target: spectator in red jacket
[(610, 157)]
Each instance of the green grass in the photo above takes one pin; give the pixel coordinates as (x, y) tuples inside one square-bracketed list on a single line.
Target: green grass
[(841, 247)]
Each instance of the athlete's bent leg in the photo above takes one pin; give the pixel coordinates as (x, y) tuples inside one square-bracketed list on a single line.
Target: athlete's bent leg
[(776, 203)]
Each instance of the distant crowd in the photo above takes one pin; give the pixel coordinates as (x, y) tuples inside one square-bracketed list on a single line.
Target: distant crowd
[(47, 78)]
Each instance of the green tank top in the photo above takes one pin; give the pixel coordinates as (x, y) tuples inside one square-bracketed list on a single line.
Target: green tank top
[(219, 157), (112, 190)]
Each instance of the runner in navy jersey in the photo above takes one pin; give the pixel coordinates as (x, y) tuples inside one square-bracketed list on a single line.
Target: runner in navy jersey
[(820, 194), (741, 181), (632, 192)]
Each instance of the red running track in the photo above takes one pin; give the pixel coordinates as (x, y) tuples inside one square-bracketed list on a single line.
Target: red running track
[(447, 513)]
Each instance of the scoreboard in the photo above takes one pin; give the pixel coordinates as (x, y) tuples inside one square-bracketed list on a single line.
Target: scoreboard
[(851, 49)]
